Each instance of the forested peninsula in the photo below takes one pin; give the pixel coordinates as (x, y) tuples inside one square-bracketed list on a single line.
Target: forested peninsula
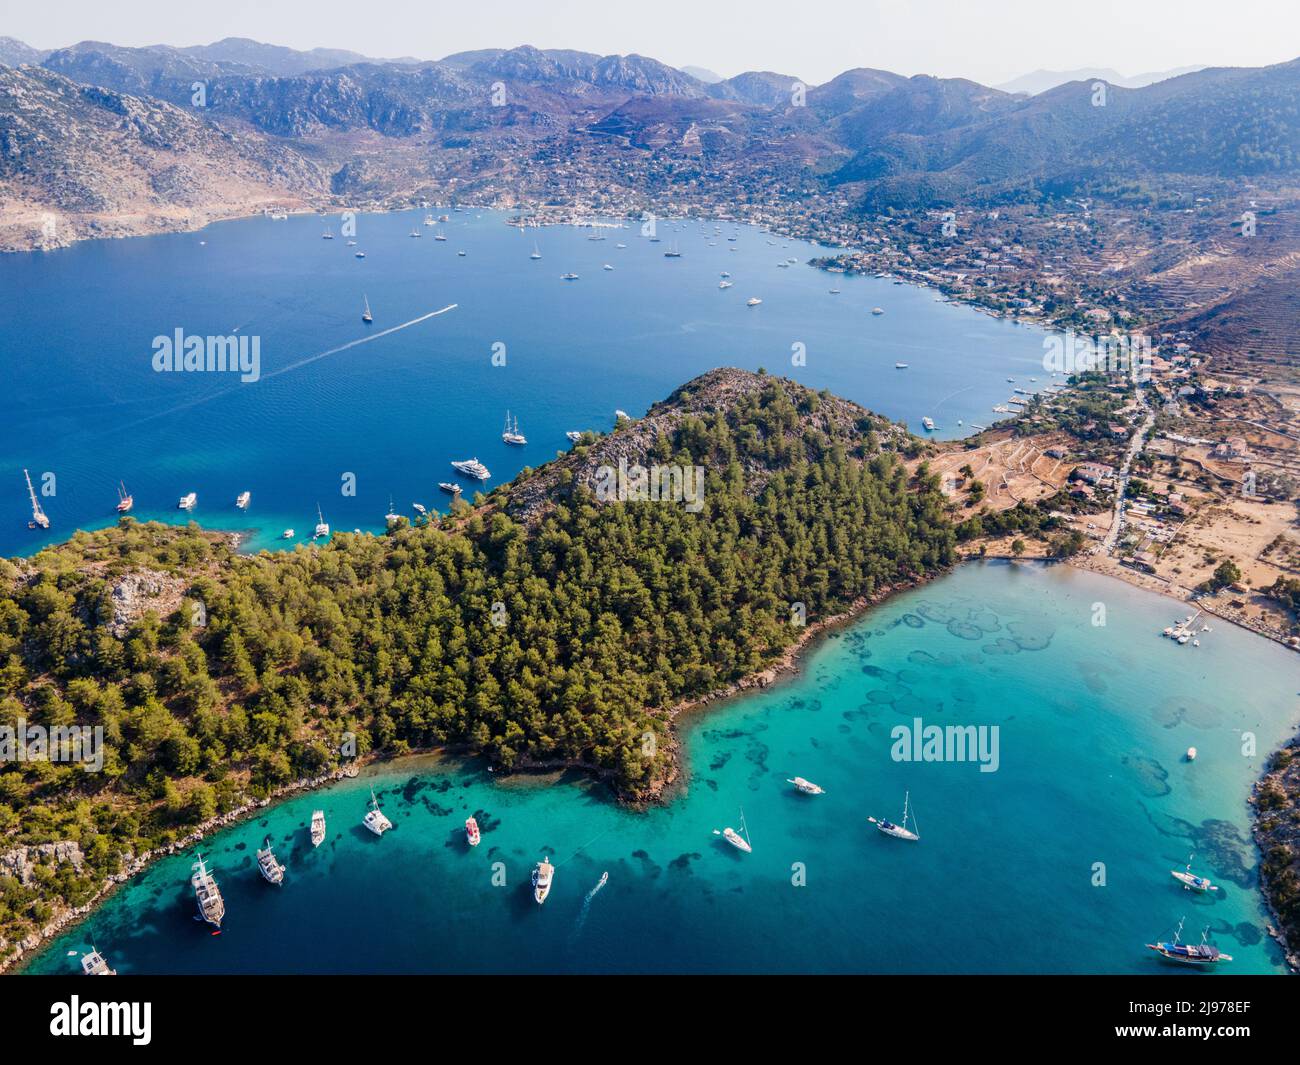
[(547, 623)]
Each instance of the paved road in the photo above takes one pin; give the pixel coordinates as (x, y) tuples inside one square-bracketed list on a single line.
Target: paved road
[(1122, 479)]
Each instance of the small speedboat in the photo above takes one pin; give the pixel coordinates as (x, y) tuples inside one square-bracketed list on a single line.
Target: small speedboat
[(753, 301)]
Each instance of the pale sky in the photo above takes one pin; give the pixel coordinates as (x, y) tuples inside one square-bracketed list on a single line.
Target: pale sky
[(990, 41)]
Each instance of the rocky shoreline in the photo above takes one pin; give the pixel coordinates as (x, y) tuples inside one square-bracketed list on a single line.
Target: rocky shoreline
[(1275, 801), (140, 862)]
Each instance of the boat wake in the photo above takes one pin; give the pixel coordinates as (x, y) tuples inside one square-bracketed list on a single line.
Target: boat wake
[(586, 906), (367, 339)]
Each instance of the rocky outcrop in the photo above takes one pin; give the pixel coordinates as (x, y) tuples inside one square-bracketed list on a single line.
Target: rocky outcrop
[(21, 862), (1277, 833), (136, 593)]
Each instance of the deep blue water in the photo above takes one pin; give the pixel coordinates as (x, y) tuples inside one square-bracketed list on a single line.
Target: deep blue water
[(1093, 724), (82, 401)]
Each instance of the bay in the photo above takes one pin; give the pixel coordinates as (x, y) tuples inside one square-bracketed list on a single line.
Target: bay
[(1058, 861), (349, 430)]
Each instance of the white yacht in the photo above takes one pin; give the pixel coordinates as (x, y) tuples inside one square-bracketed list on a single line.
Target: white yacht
[(607, 267), (573, 435), (95, 964), (212, 907), (739, 840), (428, 219), (622, 416), (187, 501), (536, 252), (928, 423), (724, 284), (317, 827), (899, 831), (569, 277), (472, 834), (242, 500), (450, 487), (753, 301), (1190, 881), (877, 311), (513, 435), (366, 316), (900, 366), (472, 468), (322, 526), (287, 534), (268, 865), (375, 819), (361, 255), (543, 874), (806, 786), (39, 520)]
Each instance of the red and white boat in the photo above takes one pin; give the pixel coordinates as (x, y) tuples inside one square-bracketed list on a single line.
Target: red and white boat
[(471, 831)]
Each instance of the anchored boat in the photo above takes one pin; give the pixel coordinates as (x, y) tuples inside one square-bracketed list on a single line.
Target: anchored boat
[(899, 831), (1190, 881), (739, 840), (317, 827), (1202, 954), (543, 874), (375, 819), (212, 907), (471, 832), (267, 864), (95, 964), (806, 786)]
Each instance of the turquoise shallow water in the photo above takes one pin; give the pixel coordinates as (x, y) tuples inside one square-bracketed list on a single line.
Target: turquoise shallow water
[(83, 403), (1093, 723)]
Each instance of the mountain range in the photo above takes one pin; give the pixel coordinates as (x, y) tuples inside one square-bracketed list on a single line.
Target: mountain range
[(884, 140)]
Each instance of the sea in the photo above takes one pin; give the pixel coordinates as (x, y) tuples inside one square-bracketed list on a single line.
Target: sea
[(353, 421)]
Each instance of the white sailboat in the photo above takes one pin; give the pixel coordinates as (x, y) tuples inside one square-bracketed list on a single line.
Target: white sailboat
[(513, 435), (322, 526), (536, 252), (366, 316), (740, 840), (1190, 881), (899, 831), (375, 819), (317, 827)]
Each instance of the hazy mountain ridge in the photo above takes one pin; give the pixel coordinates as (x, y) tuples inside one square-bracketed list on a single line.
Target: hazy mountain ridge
[(887, 140)]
